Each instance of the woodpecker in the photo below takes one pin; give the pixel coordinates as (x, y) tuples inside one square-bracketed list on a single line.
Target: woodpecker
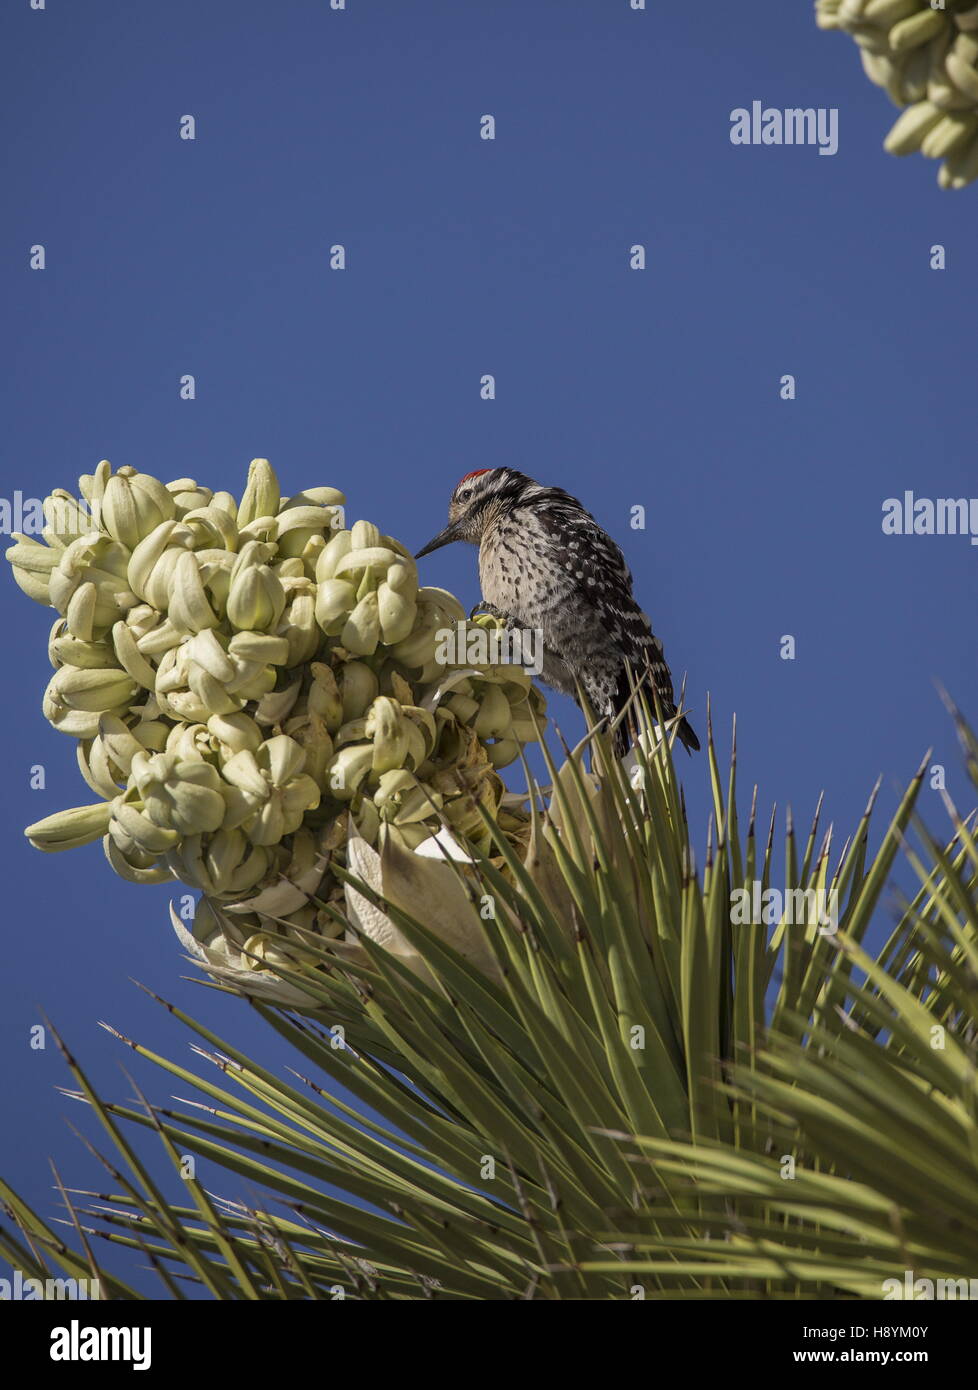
[(546, 564)]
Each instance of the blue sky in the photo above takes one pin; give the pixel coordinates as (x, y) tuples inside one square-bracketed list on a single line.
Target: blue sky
[(464, 257)]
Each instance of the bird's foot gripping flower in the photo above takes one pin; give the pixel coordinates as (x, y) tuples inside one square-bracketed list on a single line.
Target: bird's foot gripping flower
[(250, 684)]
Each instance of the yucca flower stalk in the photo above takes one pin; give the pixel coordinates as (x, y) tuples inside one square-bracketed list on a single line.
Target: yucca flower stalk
[(925, 57), (251, 684)]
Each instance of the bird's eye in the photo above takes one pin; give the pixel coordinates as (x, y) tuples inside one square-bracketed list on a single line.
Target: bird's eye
[(465, 494)]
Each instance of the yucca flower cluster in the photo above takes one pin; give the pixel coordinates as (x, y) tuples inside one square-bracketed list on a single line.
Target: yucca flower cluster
[(250, 683), (926, 58)]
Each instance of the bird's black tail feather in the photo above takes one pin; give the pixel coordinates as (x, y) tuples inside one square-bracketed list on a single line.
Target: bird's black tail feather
[(686, 736), (627, 731)]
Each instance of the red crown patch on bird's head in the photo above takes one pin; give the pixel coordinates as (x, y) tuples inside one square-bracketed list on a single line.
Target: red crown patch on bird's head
[(476, 473)]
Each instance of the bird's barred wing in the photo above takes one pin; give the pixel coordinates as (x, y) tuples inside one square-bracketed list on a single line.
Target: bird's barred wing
[(593, 564), (588, 576), (650, 657)]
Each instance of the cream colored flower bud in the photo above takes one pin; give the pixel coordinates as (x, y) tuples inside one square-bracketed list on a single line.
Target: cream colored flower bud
[(252, 553), (123, 840), (402, 577), (401, 798), (223, 855), (256, 599), (493, 717), (50, 538), (464, 707), (186, 692), (133, 505), (161, 584), (417, 750), (66, 650), (92, 485), (311, 552), (364, 534), (424, 722), (373, 560), (172, 674), (100, 562), (331, 555), (361, 631), (152, 734), (417, 650), (131, 658), (347, 769), (301, 631), (261, 495), (283, 758), (211, 527), (503, 752), (92, 690), (396, 613), (367, 820), (161, 639), (189, 606), (211, 695), (134, 864), (279, 816), (83, 613), (138, 829), (32, 564), (302, 923), (294, 526), (307, 545), (274, 779), (353, 731), (358, 686), (386, 726), (98, 558), (66, 517), (119, 742), (190, 741), (253, 682), (324, 697), (210, 652), (141, 619), (265, 952), (147, 553), (215, 575), (444, 605), (300, 863), (335, 601), (235, 733), (182, 794), (311, 734), (188, 496), (79, 825), (260, 647), (314, 497), (515, 682), (222, 865), (105, 779), (276, 705)]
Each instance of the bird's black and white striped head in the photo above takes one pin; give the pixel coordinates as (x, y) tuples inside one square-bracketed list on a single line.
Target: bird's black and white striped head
[(477, 500)]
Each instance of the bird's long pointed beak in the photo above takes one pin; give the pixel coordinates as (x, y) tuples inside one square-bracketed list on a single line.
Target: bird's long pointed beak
[(450, 533)]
